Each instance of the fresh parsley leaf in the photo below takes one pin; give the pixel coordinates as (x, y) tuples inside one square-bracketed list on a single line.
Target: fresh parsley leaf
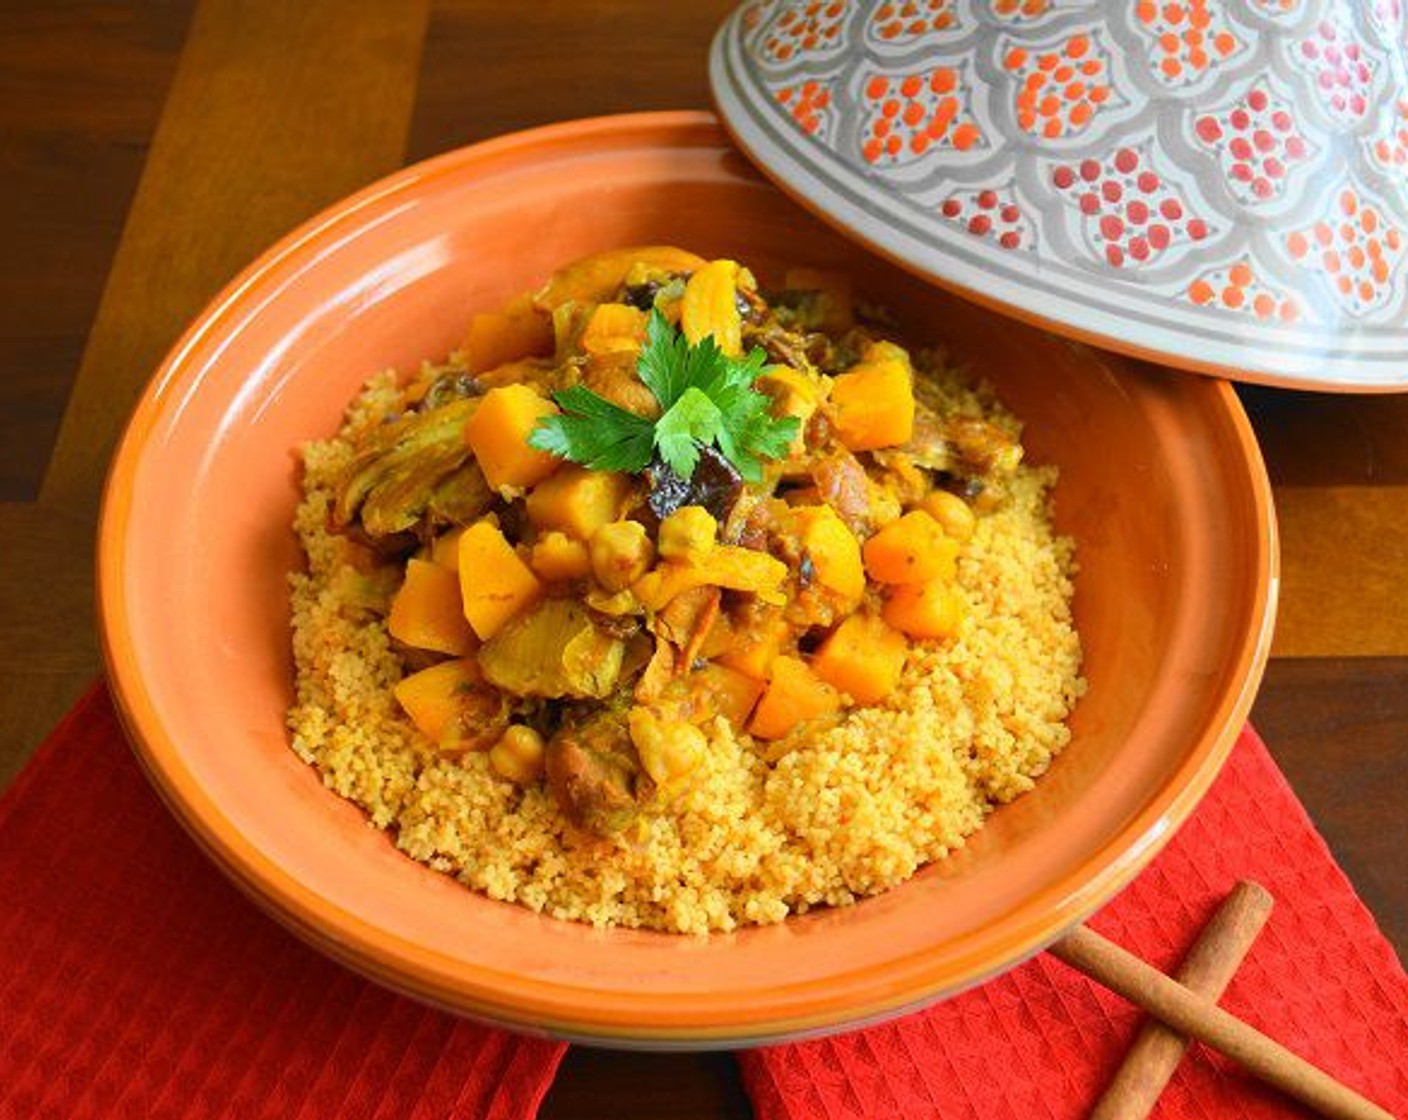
[(594, 432), (691, 422), (706, 398)]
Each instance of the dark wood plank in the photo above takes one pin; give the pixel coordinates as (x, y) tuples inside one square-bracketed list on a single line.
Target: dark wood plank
[(1326, 439), (81, 90), (275, 111), (1338, 727), (607, 1085), (491, 68)]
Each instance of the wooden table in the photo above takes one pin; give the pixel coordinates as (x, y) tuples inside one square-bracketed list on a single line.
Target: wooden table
[(152, 149)]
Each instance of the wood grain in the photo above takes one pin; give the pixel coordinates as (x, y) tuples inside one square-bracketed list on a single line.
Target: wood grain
[(1338, 728), (81, 89), (491, 68), (1344, 571)]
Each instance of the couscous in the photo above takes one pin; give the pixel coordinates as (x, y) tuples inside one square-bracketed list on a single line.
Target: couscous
[(785, 633)]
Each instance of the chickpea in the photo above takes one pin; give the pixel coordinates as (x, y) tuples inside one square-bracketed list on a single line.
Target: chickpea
[(952, 512), (621, 552), (670, 750), (688, 533), (518, 755)]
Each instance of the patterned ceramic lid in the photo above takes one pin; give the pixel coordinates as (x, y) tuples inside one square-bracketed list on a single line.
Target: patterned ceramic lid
[(1219, 184)]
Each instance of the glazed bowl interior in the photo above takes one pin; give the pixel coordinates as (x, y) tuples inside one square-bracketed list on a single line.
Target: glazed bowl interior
[(1160, 484)]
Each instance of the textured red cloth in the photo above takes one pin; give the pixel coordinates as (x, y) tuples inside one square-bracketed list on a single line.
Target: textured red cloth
[(136, 982), (1041, 1041)]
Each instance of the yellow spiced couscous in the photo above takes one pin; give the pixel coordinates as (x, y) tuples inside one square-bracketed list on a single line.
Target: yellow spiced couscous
[(676, 601)]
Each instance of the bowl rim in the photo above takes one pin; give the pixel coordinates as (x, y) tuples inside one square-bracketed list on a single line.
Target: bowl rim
[(578, 1012)]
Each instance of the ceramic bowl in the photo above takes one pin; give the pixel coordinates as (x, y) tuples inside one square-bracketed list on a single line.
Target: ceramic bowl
[(1215, 183), (1161, 484)]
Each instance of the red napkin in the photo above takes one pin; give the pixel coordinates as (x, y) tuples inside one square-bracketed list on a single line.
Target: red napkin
[(136, 982), (1041, 1041)]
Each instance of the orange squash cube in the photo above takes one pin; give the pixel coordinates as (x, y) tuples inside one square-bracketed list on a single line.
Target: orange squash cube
[(794, 695), (426, 612), (576, 501), (518, 330), (863, 658), (494, 583), (872, 404), (928, 611), (498, 431), (912, 549)]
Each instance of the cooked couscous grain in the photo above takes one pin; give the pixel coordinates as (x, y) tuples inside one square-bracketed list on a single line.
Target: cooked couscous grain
[(762, 831)]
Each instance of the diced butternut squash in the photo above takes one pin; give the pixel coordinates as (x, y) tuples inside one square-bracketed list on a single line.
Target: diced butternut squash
[(445, 550), (718, 690), (596, 278), (913, 549), (834, 553), (710, 307), (872, 404), (929, 611), (432, 697), (519, 330), (755, 649), (612, 328), (577, 501), (558, 558), (497, 433), (730, 566), (863, 658), (426, 612), (494, 583), (794, 695), (835, 302)]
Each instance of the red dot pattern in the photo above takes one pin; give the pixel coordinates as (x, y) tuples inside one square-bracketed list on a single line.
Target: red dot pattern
[(907, 114), (1257, 141), (992, 213), (1131, 217), (1355, 248)]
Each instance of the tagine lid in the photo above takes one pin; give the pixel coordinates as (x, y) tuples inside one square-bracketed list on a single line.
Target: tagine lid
[(1218, 185)]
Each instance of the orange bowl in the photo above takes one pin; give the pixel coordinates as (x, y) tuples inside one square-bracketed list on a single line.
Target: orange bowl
[(1161, 485)]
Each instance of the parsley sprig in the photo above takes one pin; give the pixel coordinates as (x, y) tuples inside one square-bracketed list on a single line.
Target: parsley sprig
[(706, 399)]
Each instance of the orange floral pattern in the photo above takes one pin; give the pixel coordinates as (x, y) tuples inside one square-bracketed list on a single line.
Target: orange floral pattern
[(1188, 38), (1239, 288), (907, 114), (903, 21), (1355, 248), (1061, 87), (809, 104), (808, 27)]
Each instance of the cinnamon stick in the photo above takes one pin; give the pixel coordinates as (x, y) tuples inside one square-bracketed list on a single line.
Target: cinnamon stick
[(1168, 1000), (1207, 969)]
